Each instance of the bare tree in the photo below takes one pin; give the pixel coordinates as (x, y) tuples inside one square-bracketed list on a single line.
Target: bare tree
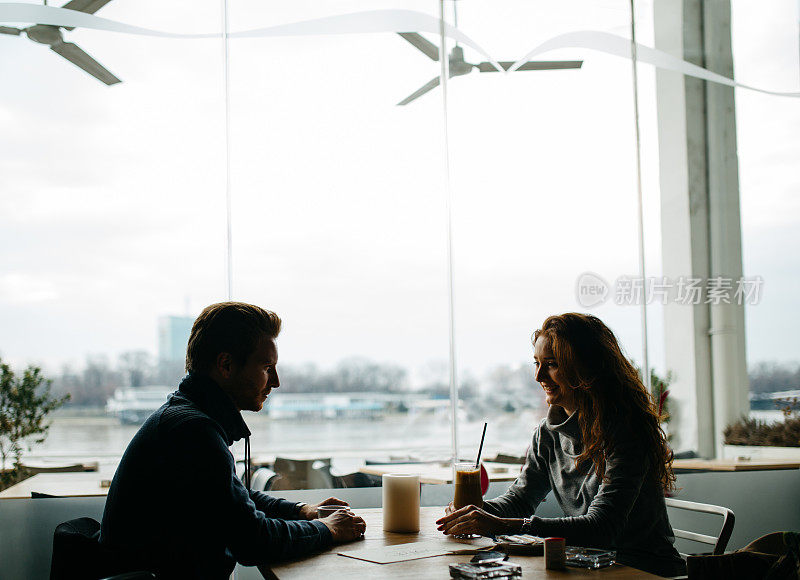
[(136, 367)]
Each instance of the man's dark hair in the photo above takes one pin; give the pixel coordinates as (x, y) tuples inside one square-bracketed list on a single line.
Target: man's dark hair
[(232, 327)]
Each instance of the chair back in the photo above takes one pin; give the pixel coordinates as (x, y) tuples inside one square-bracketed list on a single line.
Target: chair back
[(302, 474), (720, 541), (77, 553), (262, 479)]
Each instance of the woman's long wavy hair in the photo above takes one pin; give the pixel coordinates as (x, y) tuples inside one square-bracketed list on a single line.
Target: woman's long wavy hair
[(611, 399)]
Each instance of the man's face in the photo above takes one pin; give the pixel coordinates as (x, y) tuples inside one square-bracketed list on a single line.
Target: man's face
[(250, 384)]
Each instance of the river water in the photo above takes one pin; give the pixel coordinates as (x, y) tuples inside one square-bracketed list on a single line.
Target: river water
[(93, 436), (97, 437)]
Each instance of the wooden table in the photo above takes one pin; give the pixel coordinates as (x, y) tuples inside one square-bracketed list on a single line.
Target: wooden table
[(86, 484), (733, 464), (442, 472), (330, 564)]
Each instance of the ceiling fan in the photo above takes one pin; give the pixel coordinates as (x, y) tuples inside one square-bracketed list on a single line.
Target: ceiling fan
[(52, 36), (459, 67)]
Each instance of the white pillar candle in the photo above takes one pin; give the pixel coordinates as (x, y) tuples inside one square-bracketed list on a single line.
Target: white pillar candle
[(400, 502)]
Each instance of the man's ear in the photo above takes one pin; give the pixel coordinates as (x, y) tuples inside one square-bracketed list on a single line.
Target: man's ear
[(224, 365)]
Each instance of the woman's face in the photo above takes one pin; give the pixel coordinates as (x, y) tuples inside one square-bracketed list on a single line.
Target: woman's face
[(548, 375)]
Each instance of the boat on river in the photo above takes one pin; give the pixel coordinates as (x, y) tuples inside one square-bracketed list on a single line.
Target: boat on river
[(132, 405)]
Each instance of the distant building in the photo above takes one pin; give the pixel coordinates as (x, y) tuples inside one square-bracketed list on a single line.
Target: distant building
[(173, 336)]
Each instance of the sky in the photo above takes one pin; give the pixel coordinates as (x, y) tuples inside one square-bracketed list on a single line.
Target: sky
[(112, 199)]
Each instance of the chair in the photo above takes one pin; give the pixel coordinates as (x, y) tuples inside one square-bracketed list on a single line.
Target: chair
[(262, 479), (774, 556), (720, 541), (302, 474), (77, 553), (356, 479)]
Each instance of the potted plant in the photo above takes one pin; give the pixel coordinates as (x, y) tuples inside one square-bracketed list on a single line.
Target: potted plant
[(757, 439), (660, 391)]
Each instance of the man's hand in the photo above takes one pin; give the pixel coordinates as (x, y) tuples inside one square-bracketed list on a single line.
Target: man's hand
[(345, 526), (309, 511), (473, 520)]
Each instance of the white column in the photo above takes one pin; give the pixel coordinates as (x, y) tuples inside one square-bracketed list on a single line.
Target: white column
[(700, 223), (729, 366)]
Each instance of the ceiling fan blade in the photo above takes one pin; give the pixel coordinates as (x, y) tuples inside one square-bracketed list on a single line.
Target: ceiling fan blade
[(422, 43), (489, 67), (78, 57), (431, 84), (551, 64), (87, 6), (533, 65), (9, 30)]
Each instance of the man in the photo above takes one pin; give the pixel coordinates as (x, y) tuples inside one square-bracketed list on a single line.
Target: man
[(176, 506)]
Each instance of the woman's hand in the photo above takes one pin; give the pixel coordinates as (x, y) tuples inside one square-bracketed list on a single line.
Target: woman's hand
[(473, 520), (309, 511)]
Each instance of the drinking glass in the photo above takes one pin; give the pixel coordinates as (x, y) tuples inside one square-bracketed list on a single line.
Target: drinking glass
[(467, 489)]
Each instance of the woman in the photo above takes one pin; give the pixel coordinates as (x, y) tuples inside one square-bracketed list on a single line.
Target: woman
[(600, 450)]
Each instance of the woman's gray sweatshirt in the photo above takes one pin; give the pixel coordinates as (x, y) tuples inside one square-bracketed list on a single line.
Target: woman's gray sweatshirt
[(626, 513)]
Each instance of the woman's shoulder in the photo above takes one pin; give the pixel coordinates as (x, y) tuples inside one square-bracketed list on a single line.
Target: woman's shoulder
[(626, 441)]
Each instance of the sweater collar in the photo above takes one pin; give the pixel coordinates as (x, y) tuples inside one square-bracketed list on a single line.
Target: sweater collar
[(214, 402), (567, 425)]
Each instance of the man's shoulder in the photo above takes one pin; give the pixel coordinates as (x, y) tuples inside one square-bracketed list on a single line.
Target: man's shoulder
[(180, 414)]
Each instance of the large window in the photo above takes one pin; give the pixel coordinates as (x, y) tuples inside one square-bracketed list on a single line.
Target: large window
[(765, 49), (114, 218), (111, 214)]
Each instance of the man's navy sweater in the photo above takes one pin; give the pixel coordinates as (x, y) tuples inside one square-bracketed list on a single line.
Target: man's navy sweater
[(176, 506)]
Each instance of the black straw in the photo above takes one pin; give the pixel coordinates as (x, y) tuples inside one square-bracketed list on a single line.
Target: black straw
[(480, 449)]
